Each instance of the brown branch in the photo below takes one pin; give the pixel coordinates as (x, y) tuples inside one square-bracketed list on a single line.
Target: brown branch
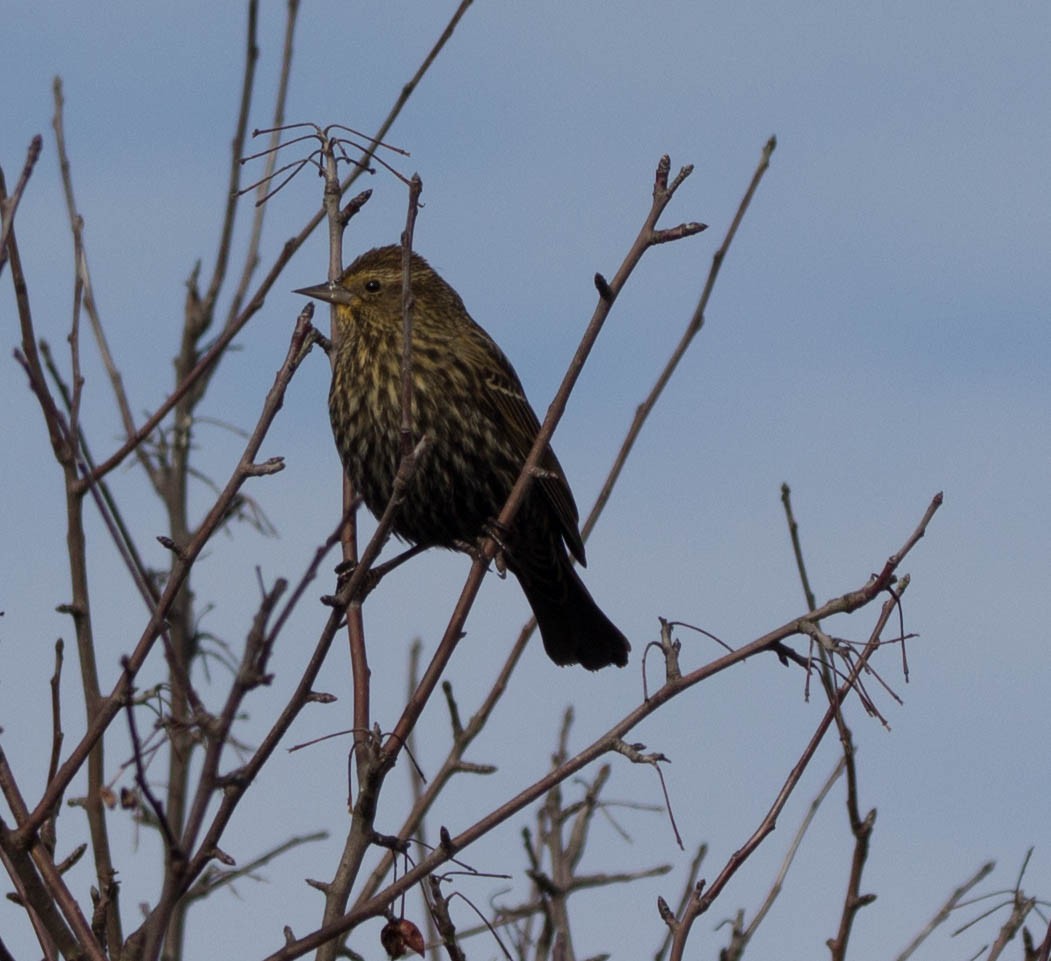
[(9, 203), (695, 324), (359, 664), (554, 888), (1043, 951), (62, 435), (214, 353), (662, 194), (168, 907), (408, 303), (1020, 908), (370, 769), (174, 853), (705, 897), (861, 829), (850, 601), (946, 909), (251, 673), (417, 783), (797, 547), (406, 92), (40, 881), (107, 709), (236, 783), (57, 737), (452, 764), (50, 928), (105, 502), (666, 913), (633, 752), (251, 258), (199, 314), (83, 277), (210, 883), (745, 936), (29, 359), (440, 919), (200, 318)]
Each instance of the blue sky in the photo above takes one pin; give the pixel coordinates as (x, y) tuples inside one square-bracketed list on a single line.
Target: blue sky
[(879, 332)]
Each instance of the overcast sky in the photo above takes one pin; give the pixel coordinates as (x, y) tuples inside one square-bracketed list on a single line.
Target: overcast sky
[(880, 332)]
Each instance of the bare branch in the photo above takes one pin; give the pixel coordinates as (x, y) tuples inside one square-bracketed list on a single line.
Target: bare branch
[(9, 204), (604, 744), (662, 194), (110, 705), (946, 909), (696, 322)]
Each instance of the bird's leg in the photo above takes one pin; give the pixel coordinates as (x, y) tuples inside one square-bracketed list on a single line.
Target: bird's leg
[(500, 535), (345, 569)]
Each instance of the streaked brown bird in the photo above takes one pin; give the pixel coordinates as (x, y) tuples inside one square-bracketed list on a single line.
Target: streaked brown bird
[(468, 401)]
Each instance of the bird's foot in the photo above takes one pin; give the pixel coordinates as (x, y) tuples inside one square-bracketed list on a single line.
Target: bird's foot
[(344, 571), (501, 535), (474, 549)]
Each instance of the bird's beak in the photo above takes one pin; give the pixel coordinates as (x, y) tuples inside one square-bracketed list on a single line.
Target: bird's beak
[(331, 293)]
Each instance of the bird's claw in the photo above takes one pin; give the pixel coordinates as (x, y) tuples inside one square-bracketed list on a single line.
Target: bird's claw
[(501, 535), (473, 549), (344, 571)]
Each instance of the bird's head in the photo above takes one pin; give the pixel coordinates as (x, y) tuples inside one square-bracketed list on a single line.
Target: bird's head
[(370, 289)]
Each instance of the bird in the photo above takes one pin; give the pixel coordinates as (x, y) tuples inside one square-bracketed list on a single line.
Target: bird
[(469, 403)]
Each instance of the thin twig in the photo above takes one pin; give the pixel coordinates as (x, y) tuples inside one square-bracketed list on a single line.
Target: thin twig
[(850, 601), (946, 909), (694, 326), (797, 547), (188, 553), (9, 203), (608, 291), (706, 897)]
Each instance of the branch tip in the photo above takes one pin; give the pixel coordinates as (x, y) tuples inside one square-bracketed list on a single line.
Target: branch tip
[(354, 205), (167, 542), (660, 180), (683, 173), (272, 465)]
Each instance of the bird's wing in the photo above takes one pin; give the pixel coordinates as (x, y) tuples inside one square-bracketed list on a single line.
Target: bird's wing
[(504, 391)]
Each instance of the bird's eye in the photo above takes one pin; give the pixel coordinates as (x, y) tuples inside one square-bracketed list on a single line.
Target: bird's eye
[(372, 286)]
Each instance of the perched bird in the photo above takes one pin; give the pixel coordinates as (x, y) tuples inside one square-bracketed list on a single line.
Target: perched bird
[(468, 401)]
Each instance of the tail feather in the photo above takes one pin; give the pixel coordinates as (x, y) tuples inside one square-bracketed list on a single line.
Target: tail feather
[(573, 628)]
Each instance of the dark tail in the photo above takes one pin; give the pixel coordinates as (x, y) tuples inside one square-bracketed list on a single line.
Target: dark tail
[(573, 627)]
